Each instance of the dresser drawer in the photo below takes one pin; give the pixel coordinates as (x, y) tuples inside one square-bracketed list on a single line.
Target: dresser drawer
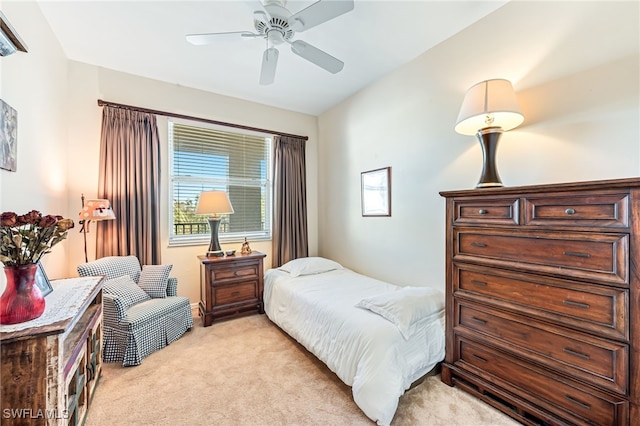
[(596, 360), (236, 293), (599, 257), (486, 211), (244, 270), (594, 210), (568, 399), (591, 307)]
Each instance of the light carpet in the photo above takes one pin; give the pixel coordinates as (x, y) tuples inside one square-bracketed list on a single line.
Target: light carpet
[(247, 371)]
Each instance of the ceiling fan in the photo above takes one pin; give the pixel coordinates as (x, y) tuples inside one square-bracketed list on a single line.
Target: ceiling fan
[(275, 24)]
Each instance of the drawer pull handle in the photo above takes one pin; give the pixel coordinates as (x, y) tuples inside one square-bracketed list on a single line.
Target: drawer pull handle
[(479, 358), (575, 401), (480, 283), (478, 320), (578, 354), (474, 244), (576, 254), (576, 304), (482, 211), (235, 293), (570, 211)]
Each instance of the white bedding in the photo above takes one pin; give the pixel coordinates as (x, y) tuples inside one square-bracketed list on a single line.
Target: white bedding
[(365, 350)]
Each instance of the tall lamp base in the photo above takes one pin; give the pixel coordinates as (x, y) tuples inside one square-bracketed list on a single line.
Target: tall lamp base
[(214, 245), (488, 139)]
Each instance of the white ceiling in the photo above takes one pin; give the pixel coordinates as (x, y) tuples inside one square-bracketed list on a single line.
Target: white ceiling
[(147, 38)]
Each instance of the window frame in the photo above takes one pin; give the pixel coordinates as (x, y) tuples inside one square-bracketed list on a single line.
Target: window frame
[(223, 237)]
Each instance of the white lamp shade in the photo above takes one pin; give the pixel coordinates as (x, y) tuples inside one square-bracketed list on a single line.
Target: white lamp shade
[(491, 103), (97, 210), (214, 203)]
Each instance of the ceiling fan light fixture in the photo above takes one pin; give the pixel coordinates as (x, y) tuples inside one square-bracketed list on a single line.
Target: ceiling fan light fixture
[(275, 37)]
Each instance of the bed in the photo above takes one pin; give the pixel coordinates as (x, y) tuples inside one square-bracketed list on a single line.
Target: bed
[(376, 337)]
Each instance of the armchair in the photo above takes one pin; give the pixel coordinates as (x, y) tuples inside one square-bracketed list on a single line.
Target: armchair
[(142, 312)]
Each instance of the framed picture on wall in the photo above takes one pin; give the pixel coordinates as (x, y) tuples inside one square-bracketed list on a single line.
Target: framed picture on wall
[(376, 192), (42, 281), (8, 137)]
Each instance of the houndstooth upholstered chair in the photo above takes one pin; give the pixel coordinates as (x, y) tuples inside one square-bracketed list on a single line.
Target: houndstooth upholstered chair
[(142, 312)]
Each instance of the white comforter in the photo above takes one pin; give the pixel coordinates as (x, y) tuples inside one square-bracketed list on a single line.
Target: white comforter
[(365, 350)]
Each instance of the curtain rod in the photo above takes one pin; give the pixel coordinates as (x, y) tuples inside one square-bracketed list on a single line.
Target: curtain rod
[(188, 117)]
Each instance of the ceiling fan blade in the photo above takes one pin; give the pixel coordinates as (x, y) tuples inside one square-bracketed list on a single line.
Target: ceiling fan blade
[(269, 63), (317, 56), (259, 11), (319, 12), (200, 39)]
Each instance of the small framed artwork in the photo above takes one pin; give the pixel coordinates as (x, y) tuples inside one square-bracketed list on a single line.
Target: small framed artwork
[(42, 281), (376, 192), (8, 136)]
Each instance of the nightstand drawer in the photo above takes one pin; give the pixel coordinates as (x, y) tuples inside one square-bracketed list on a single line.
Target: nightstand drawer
[(564, 397), (599, 257), (605, 210), (495, 211), (590, 307), (236, 271), (597, 360), (236, 293)]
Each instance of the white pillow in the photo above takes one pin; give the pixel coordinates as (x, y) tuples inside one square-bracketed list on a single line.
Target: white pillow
[(309, 266), (406, 306)]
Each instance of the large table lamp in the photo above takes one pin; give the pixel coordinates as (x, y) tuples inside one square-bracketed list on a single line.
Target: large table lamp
[(488, 109), (93, 210), (214, 203)]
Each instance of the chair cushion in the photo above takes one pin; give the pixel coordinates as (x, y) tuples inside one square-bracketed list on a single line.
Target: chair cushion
[(154, 309), (126, 290), (153, 280)]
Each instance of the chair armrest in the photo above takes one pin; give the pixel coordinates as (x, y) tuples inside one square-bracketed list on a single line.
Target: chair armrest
[(112, 309), (172, 287)]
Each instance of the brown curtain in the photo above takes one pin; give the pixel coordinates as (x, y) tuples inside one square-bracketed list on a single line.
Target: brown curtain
[(130, 179), (290, 240)]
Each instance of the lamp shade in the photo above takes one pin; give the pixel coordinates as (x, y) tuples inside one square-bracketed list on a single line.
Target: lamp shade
[(96, 210), (214, 203), (490, 103)]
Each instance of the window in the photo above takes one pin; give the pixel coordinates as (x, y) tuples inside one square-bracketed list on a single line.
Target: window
[(206, 159)]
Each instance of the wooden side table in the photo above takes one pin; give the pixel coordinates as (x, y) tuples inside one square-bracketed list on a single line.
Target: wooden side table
[(231, 286)]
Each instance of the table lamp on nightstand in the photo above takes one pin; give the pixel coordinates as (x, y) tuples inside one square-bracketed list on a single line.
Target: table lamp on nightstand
[(214, 203)]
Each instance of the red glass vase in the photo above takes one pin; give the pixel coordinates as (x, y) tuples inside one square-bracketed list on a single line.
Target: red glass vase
[(22, 300)]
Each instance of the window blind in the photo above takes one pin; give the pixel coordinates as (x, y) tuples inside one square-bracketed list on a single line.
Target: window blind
[(205, 159)]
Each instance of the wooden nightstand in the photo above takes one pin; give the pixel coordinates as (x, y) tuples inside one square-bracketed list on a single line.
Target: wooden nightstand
[(230, 286)]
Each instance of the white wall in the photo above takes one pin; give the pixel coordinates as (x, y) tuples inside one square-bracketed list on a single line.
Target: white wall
[(575, 67), (35, 84)]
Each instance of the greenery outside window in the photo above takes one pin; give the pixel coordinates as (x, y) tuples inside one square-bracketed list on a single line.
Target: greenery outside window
[(208, 158)]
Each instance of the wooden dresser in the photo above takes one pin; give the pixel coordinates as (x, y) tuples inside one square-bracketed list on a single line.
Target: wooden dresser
[(543, 300), (231, 286), (50, 365)]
